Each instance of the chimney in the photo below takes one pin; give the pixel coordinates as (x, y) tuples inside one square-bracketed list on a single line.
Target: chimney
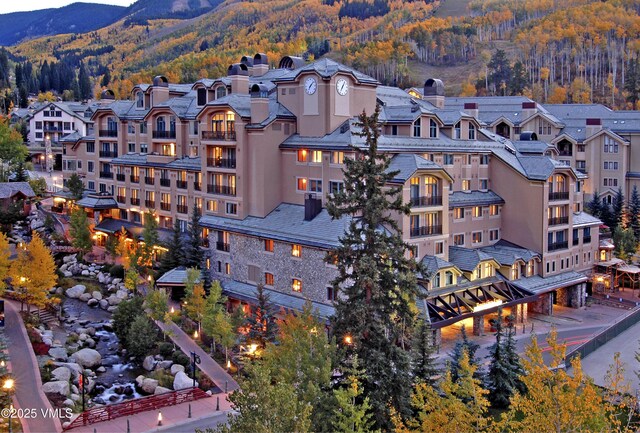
[(239, 75), (160, 90), (471, 108), (248, 62), (260, 64), (434, 92), (593, 126), (259, 103), (312, 206), (529, 109)]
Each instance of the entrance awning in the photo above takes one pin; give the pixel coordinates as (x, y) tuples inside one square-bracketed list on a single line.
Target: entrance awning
[(97, 202)]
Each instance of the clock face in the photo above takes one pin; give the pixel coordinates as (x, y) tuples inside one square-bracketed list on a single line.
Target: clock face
[(342, 87), (310, 85)]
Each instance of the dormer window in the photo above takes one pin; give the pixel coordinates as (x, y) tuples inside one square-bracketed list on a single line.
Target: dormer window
[(457, 132), (202, 97), (139, 100), (472, 132), (221, 92), (417, 128), (433, 129)]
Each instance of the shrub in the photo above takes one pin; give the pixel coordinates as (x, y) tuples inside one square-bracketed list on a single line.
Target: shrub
[(165, 349), (163, 377), (204, 383), (66, 282), (180, 358), (106, 268), (124, 316), (141, 338), (117, 271)]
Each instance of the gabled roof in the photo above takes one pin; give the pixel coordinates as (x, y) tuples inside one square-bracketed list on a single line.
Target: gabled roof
[(507, 253), (98, 201), (174, 277), (184, 107), (327, 68), (467, 259), (533, 147), (473, 198), (9, 189), (583, 219), (186, 163), (406, 164), (433, 264)]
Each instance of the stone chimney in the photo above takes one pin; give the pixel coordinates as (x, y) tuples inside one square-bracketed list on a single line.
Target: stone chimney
[(260, 64), (239, 75), (259, 103), (529, 109), (312, 206), (160, 90), (593, 126), (471, 108), (434, 92)]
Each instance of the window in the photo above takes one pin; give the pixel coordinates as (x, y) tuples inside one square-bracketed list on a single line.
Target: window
[(67, 126), (302, 155), (202, 97), (394, 129), (212, 205), (331, 294), (232, 208), (609, 181), (494, 235), (472, 132), (91, 185), (610, 165), (143, 147), (227, 268), (296, 250), (610, 145), (302, 184), (335, 186), (316, 156), (477, 212), (268, 279), (143, 128), (132, 147), (458, 239), (337, 157), (484, 184), (457, 131), (417, 128), (38, 134), (91, 146), (194, 127), (39, 125), (221, 92), (581, 147), (544, 127), (448, 277), (433, 129), (494, 210), (268, 245), (484, 159), (90, 166), (296, 285), (315, 185), (139, 100), (458, 213), (466, 185), (439, 247), (476, 237), (447, 159)]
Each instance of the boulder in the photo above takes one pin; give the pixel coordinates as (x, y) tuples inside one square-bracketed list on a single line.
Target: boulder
[(58, 353), (68, 403), (96, 295), (122, 294), (176, 368), (101, 369), (101, 278), (85, 297), (61, 373), (116, 280), (139, 380), (113, 300), (91, 331), (165, 364), (71, 258), (112, 308), (75, 397), (85, 273), (149, 363), (104, 304), (75, 369), (75, 291), (93, 302), (161, 390), (108, 326), (56, 387), (149, 385), (87, 358), (90, 342), (67, 274), (82, 336), (182, 381)]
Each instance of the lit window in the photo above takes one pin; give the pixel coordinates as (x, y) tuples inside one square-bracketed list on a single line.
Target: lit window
[(439, 248), (268, 279), (316, 156), (268, 245), (458, 240), (296, 250), (227, 268), (296, 285), (315, 185), (302, 155), (458, 213), (476, 237), (466, 185), (302, 184), (494, 210), (477, 211), (337, 157)]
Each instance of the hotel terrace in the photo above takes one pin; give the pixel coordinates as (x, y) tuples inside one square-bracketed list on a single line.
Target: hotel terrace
[(496, 184)]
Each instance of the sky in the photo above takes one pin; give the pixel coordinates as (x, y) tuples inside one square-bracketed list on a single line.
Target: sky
[(7, 6)]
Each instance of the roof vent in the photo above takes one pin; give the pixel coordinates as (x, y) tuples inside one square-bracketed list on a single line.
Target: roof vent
[(344, 128)]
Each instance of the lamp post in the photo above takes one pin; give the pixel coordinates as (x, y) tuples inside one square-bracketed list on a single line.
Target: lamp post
[(195, 359), (8, 386)]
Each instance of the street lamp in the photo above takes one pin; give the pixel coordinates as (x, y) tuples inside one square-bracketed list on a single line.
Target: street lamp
[(348, 339), (8, 384)]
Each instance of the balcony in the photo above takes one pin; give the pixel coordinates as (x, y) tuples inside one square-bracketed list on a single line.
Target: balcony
[(165, 182), (222, 246), (558, 221), (108, 133), (221, 162), (134, 178), (165, 206), (182, 208), (151, 204), (121, 199), (221, 189), (182, 184), (108, 154), (149, 180), (219, 135), (558, 246), (435, 200), (135, 201), (565, 153), (164, 134), (197, 186), (562, 195), (425, 231), (106, 175), (120, 177)]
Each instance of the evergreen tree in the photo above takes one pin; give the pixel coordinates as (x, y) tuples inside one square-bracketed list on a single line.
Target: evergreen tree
[(500, 76), (76, 187), (618, 208), (519, 79), (595, 205), (194, 254), (625, 243), (124, 316), (12, 149), (606, 215), (352, 412), (425, 367), (376, 277), (106, 78), (634, 212), (174, 255), (261, 324), (21, 172), (141, 338), (463, 346), (80, 231), (84, 82), (503, 377)]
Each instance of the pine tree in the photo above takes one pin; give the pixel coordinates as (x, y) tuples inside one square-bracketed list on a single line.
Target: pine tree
[(595, 205), (618, 208), (606, 215), (423, 350), (194, 254), (261, 324), (80, 231), (106, 78), (84, 82), (76, 187), (634, 212), (174, 255), (375, 275), (352, 412), (141, 338), (463, 346)]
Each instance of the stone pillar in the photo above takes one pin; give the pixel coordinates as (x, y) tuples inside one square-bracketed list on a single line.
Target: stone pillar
[(521, 313), (544, 304), (478, 325), (578, 295)]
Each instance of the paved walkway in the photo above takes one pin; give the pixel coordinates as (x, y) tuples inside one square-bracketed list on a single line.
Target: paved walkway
[(28, 385), (208, 366)]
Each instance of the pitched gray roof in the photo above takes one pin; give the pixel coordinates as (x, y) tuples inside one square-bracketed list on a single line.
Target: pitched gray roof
[(340, 139), (433, 264), (247, 292), (186, 163), (407, 164), (473, 198), (467, 259), (141, 160), (98, 201), (9, 189), (327, 68), (285, 223), (535, 147), (491, 108), (582, 219), (507, 253), (537, 284), (174, 277)]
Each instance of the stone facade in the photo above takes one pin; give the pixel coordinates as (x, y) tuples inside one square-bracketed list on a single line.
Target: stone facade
[(246, 251)]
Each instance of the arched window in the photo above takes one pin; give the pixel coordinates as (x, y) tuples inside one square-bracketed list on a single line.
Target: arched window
[(472, 132), (431, 186), (433, 129), (160, 124), (457, 131), (417, 128)]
